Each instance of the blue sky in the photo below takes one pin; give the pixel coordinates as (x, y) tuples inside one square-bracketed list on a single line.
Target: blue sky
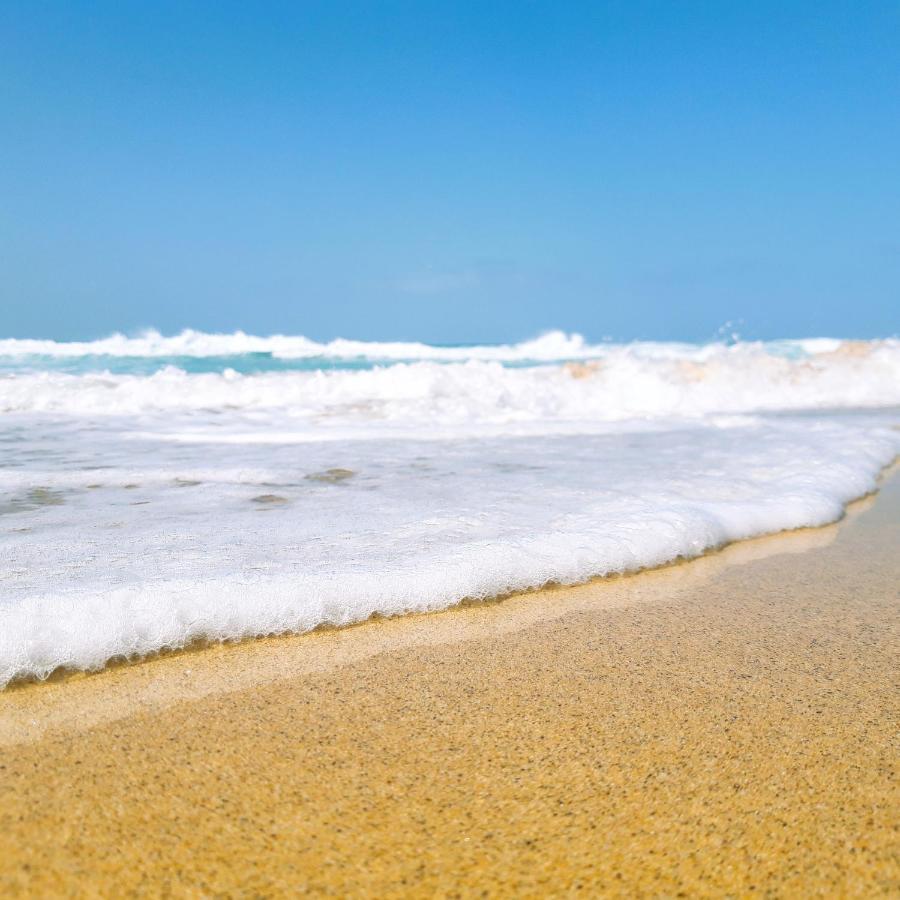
[(451, 172)]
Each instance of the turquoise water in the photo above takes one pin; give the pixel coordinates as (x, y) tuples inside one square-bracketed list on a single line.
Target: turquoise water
[(65, 359), (242, 363)]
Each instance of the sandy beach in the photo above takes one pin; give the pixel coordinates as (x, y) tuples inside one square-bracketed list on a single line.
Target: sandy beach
[(721, 726), (449, 450)]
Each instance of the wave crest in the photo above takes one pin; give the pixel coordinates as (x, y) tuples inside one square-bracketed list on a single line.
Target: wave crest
[(622, 382)]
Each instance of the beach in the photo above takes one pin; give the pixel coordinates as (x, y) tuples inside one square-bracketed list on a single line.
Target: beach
[(449, 450), (726, 725)]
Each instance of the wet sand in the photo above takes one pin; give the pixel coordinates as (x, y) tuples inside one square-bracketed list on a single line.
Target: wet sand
[(723, 726)]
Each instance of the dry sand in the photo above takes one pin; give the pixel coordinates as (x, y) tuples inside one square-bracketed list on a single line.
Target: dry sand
[(724, 726)]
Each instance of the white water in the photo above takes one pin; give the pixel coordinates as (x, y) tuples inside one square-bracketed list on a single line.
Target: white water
[(616, 383), (552, 346), (144, 511)]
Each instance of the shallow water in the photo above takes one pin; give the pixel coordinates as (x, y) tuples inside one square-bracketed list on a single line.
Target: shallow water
[(141, 511)]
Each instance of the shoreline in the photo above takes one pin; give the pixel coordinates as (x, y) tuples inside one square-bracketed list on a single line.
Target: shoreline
[(706, 726), (306, 655), (65, 674)]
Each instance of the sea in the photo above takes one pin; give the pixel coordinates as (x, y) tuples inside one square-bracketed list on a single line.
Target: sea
[(156, 491)]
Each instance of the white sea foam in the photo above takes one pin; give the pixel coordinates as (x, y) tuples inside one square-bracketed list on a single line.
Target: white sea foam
[(144, 511), (554, 345), (627, 381), (551, 346), (168, 544)]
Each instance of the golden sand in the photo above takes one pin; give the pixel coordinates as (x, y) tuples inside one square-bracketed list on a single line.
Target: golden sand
[(724, 726)]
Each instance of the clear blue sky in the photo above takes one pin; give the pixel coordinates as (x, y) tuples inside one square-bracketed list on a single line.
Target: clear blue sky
[(450, 171)]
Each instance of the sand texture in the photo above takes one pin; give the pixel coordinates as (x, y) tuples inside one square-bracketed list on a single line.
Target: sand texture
[(727, 726)]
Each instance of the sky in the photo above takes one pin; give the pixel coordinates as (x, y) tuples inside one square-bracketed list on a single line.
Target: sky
[(450, 172)]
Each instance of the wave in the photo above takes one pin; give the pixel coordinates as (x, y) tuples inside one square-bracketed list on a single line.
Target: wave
[(170, 544), (155, 504), (554, 345), (549, 347), (626, 381)]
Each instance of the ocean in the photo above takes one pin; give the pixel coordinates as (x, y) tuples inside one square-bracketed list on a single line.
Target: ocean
[(156, 490)]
